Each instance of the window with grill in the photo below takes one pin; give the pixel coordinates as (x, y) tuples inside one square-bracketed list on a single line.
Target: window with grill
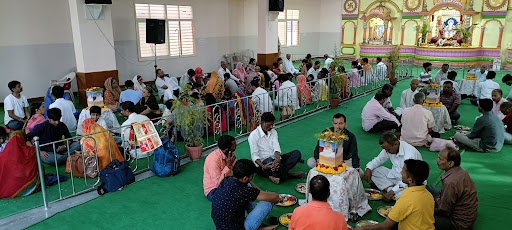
[(179, 39), (288, 27)]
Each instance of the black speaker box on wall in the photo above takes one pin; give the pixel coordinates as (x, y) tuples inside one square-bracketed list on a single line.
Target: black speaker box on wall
[(276, 5), (104, 2), (155, 31)]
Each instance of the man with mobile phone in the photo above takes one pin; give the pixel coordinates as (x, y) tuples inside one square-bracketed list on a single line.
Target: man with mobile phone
[(219, 164)]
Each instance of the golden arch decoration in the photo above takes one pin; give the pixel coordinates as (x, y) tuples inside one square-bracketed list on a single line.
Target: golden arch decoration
[(343, 26), (411, 20), (395, 6)]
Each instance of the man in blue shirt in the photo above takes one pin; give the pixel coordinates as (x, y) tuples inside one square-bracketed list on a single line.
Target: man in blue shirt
[(233, 195), (50, 131), (130, 94), (488, 131)]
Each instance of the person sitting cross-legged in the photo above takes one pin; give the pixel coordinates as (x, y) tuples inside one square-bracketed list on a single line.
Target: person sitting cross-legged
[(451, 99), (66, 107), (219, 165), (50, 131), (457, 202), (417, 123), (233, 195), (376, 118), (484, 89), (406, 100), (487, 134), (389, 179), (266, 152), (15, 107), (350, 152), (317, 214), (414, 210)]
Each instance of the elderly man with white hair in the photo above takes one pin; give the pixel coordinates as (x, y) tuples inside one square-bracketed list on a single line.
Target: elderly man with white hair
[(417, 123), (288, 65)]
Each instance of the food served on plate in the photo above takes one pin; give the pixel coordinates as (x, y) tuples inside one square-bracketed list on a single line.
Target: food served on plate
[(462, 127), (373, 194), (301, 188), (366, 223), (384, 210), (288, 200), (285, 219)]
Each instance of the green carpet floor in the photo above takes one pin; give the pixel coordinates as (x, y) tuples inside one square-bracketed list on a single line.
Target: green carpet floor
[(179, 203)]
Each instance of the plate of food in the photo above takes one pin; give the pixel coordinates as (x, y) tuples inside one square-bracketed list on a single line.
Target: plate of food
[(301, 188), (373, 194), (288, 200), (462, 127), (366, 223), (465, 133), (384, 210), (285, 219)]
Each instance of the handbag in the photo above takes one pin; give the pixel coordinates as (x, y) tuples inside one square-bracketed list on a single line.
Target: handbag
[(115, 176), (287, 112), (82, 166)]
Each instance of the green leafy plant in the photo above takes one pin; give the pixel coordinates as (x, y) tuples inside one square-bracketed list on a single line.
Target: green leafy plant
[(393, 58), (190, 118), (336, 81), (423, 30), (464, 33)]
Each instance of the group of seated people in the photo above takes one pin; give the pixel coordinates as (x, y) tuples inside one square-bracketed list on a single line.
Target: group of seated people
[(237, 203)]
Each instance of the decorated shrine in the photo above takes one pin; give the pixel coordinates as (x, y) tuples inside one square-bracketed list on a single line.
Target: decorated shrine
[(458, 32)]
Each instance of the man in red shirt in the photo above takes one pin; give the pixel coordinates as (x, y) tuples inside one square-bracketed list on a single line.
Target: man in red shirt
[(506, 109), (318, 214)]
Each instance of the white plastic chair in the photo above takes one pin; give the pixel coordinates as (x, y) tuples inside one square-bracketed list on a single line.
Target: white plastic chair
[(65, 82)]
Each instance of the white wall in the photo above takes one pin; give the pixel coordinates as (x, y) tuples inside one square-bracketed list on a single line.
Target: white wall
[(320, 27), (36, 42)]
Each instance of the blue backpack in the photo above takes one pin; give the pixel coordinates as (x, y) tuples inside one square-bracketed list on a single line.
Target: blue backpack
[(166, 159), (115, 176)]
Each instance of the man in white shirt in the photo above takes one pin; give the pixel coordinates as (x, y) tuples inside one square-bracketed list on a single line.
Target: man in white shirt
[(16, 107), (328, 61), (230, 84), (482, 74), (387, 179), (288, 65), (406, 100), (315, 70), (417, 123), (224, 69), (484, 90), (266, 152), (66, 107), (381, 70), (128, 110), (260, 97), (167, 87), (287, 94), (442, 74)]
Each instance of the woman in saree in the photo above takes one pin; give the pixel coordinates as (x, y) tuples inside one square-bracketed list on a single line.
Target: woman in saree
[(239, 71), (251, 75), (138, 81), (37, 110), (112, 94), (215, 86), (246, 108), (303, 91), (19, 174), (148, 105), (104, 143), (322, 77)]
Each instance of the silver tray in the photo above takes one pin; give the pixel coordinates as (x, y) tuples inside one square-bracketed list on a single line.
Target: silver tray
[(366, 223), (384, 207), (287, 196), (369, 191), (297, 188)]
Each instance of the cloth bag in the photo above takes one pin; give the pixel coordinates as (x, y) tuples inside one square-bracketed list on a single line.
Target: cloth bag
[(82, 166)]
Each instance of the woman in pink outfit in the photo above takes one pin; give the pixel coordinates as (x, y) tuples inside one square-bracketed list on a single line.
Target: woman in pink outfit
[(353, 75)]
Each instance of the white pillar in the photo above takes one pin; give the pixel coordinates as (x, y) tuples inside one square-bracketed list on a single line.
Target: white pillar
[(93, 40), (267, 34)]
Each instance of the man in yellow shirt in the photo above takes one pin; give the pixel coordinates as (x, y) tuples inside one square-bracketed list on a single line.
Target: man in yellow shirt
[(414, 210)]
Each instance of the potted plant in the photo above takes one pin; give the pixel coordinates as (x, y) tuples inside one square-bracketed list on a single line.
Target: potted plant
[(423, 30), (190, 119), (464, 34), (335, 90), (393, 58)]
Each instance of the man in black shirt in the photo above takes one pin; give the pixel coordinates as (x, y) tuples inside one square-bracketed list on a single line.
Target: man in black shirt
[(50, 131), (232, 197), (350, 152)]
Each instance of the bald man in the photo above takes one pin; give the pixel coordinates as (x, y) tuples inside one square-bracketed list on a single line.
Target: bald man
[(406, 100), (317, 214)]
